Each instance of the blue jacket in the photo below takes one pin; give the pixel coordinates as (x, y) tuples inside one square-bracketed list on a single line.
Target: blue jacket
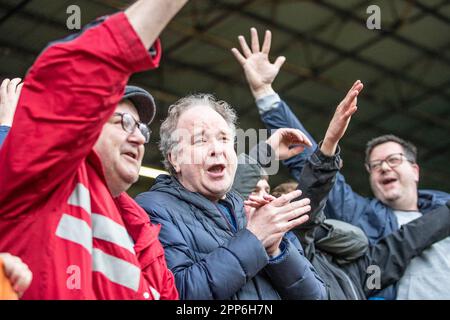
[(370, 214), (3, 132), (210, 261)]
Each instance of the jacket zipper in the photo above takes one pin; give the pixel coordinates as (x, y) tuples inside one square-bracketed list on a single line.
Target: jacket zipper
[(351, 286), (225, 218)]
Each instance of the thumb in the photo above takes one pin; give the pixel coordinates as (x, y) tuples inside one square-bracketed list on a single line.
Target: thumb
[(295, 151), (279, 62)]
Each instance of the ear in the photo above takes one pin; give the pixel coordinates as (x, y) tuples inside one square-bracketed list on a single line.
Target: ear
[(416, 171), (173, 161)]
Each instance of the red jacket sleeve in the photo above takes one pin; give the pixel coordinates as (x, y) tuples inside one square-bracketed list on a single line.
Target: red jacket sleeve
[(69, 93)]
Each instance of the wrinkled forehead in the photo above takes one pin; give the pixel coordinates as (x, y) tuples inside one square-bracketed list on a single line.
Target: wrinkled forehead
[(202, 119), (384, 150), (126, 106)]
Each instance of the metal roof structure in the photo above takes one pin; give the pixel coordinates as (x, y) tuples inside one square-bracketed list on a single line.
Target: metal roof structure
[(405, 66)]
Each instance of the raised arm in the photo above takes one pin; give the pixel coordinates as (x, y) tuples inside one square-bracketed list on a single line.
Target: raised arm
[(318, 175), (69, 93), (260, 73), (344, 203), (149, 18)]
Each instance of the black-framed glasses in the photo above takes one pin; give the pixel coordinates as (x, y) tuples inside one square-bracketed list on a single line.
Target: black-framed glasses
[(129, 124), (393, 160)]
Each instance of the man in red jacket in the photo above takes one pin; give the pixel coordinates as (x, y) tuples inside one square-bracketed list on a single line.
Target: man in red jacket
[(76, 145)]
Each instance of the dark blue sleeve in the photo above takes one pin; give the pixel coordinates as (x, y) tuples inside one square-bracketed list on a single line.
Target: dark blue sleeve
[(293, 275), (345, 204), (3, 132)]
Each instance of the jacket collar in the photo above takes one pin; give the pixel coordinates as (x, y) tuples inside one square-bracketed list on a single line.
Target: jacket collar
[(171, 185)]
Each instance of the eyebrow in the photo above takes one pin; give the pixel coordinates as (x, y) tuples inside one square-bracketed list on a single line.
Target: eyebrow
[(199, 133), (392, 154), (224, 132)]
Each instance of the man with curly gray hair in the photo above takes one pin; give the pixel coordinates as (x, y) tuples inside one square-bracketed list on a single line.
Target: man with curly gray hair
[(168, 132), (214, 250)]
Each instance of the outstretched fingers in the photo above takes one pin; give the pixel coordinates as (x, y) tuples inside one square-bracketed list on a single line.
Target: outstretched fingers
[(267, 42), (4, 89), (254, 40), (350, 99), (239, 57), (244, 46)]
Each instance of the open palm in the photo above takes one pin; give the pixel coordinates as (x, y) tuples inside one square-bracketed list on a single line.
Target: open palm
[(259, 71), (344, 111)]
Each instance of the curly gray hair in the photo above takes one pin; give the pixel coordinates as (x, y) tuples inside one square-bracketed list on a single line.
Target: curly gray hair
[(169, 140)]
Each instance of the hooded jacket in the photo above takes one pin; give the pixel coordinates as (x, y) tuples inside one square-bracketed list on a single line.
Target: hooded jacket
[(211, 261)]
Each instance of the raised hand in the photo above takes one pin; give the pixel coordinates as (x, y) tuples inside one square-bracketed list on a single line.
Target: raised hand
[(17, 272), (341, 118), (259, 71), (270, 222), (287, 142), (9, 96)]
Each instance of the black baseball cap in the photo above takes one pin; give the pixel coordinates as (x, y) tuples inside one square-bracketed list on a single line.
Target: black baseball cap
[(143, 102)]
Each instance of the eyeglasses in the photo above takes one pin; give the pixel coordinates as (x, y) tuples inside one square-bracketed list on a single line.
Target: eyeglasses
[(129, 124), (393, 160)]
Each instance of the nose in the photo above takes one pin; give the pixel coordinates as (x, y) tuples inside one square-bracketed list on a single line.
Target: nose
[(136, 136), (216, 148), (262, 193), (385, 166)]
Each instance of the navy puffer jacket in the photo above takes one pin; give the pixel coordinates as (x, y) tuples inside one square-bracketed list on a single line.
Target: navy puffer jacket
[(210, 261)]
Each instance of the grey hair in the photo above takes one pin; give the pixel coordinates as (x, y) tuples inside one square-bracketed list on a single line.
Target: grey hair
[(169, 141), (409, 148)]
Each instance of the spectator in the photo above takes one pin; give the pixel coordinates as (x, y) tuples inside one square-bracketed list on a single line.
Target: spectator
[(17, 277), (212, 249), (394, 176), (74, 149), (9, 96)]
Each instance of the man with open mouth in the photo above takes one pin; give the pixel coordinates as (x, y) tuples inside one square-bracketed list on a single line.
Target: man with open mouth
[(213, 249)]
